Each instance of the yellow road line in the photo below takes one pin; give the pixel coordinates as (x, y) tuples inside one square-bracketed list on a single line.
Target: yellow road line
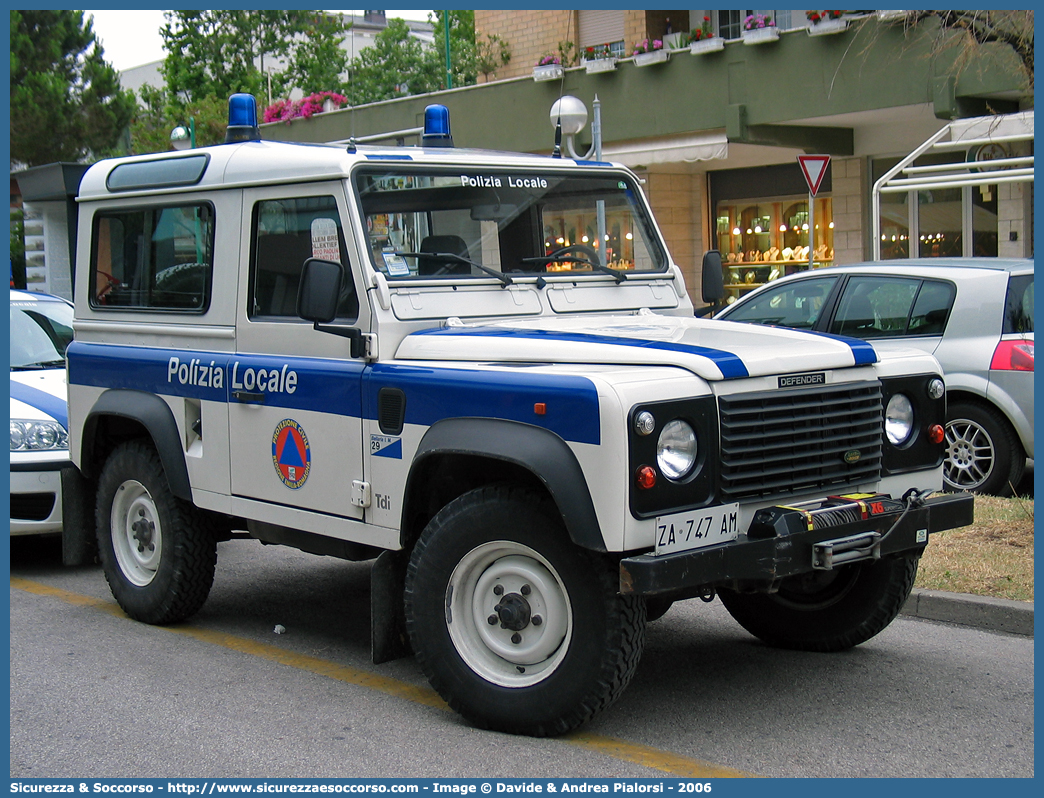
[(619, 749), (304, 662), (653, 757)]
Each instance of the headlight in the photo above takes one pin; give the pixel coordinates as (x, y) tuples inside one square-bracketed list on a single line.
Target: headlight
[(38, 436), (676, 450), (899, 419)]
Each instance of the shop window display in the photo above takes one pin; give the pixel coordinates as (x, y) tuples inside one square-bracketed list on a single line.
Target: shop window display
[(764, 239)]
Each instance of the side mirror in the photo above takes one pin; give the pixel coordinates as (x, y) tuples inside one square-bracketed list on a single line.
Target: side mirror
[(713, 279), (320, 288)]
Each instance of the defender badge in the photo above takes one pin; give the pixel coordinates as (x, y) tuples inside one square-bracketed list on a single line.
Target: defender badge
[(852, 456), (800, 380), (290, 453)]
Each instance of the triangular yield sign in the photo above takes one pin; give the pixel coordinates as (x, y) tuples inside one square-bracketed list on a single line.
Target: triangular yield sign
[(813, 167)]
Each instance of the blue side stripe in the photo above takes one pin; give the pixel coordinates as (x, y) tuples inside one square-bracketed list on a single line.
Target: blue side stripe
[(389, 157), (730, 365), (863, 351), (322, 385), (53, 406), (433, 394), (338, 386)]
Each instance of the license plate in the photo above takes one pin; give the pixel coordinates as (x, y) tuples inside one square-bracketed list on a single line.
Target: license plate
[(694, 529)]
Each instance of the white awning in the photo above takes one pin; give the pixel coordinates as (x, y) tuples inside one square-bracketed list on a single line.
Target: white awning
[(676, 149), (992, 155)]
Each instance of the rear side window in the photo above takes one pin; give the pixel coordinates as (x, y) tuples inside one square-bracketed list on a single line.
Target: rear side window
[(889, 307), (1018, 312), (931, 308), (160, 258)]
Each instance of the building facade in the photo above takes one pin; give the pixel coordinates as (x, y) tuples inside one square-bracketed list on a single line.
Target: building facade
[(716, 132), (715, 127), (740, 190)]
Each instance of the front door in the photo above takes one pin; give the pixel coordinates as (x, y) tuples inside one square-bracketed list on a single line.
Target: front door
[(295, 406)]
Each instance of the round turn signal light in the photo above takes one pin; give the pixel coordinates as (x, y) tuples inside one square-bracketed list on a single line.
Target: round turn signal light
[(645, 476)]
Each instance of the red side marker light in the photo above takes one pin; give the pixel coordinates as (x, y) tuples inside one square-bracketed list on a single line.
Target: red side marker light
[(936, 433), (645, 476), (540, 409)]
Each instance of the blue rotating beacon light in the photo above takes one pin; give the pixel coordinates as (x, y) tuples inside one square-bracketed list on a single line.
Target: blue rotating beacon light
[(242, 119), (436, 127)]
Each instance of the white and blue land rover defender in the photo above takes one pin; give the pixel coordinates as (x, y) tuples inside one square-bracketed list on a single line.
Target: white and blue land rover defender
[(482, 371)]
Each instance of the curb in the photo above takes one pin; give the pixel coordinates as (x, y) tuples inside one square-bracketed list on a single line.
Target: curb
[(982, 612)]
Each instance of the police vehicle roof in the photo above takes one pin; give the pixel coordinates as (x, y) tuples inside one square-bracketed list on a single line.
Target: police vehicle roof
[(267, 162)]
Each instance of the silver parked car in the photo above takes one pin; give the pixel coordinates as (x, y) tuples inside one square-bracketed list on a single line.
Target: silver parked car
[(974, 314)]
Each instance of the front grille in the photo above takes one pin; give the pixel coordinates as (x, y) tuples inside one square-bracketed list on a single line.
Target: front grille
[(781, 443), (31, 506)]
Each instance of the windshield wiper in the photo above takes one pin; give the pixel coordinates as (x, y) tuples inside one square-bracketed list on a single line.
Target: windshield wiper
[(41, 364), (616, 274), (504, 279)]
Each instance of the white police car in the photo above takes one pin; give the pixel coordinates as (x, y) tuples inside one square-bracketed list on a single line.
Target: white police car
[(46, 490), (482, 371)]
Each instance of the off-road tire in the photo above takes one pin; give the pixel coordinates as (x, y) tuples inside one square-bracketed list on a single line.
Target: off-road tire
[(511, 537), (983, 453), (827, 610), (170, 581)]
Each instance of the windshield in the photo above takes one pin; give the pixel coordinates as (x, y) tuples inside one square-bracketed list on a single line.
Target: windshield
[(40, 332), (434, 223)]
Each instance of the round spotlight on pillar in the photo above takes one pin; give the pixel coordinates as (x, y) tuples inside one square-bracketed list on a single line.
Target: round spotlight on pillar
[(573, 114), (179, 138)]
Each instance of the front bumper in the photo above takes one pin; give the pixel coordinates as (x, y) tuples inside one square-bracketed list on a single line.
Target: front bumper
[(765, 554), (37, 497)]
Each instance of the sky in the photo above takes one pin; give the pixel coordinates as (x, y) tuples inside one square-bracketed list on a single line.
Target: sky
[(131, 38)]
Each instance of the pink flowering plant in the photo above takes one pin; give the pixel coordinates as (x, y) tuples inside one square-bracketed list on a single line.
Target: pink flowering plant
[(548, 60), (645, 46), (755, 21), (286, 110)]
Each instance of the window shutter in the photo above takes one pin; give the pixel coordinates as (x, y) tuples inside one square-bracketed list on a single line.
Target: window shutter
[(600, 27)]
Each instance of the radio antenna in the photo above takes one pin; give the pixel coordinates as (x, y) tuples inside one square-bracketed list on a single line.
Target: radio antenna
[(557, 152), (351, 84)]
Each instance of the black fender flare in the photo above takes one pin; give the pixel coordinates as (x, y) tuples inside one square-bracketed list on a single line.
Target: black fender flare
[(540, 451), (156, 417)]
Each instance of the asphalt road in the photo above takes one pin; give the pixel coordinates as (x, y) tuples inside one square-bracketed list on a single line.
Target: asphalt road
[(95, 694)]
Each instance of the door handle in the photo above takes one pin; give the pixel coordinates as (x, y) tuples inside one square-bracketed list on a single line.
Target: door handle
[(245, 396)]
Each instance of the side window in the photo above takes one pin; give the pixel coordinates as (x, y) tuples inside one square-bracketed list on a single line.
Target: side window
[(159, 258), (875, 307), (932, 308), (797, 304), (286, 233), (1018, 311)]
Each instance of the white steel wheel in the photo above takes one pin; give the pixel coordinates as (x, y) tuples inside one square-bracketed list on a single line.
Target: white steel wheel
[(137, 536), (157, 551), (516, 627), (508, 614)]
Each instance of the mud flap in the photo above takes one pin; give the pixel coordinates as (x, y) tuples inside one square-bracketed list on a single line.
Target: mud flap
[(388, 638), (79, 539)]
